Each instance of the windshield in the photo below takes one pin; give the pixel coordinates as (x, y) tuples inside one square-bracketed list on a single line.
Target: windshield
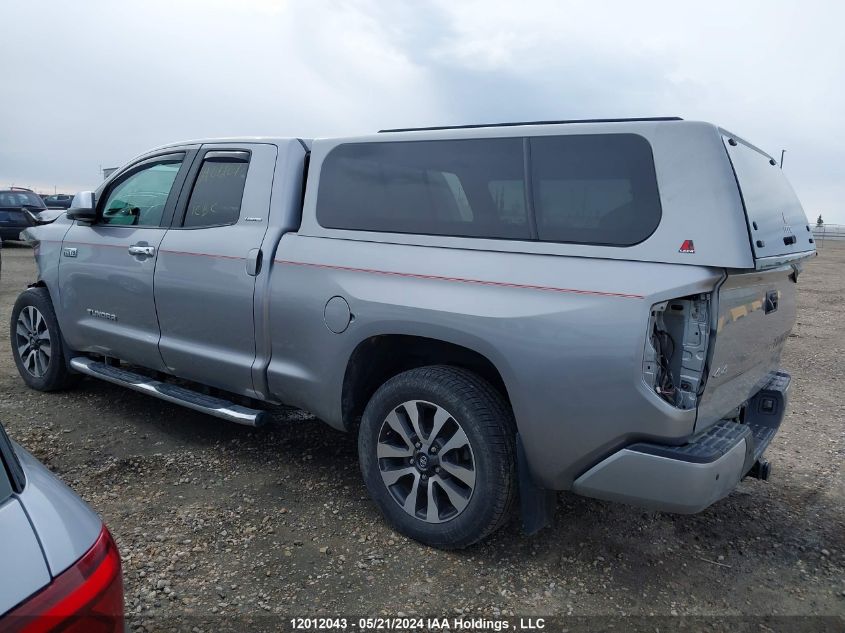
[(17, 199)]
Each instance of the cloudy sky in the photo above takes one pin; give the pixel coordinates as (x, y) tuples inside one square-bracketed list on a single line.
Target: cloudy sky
[(92, 83)]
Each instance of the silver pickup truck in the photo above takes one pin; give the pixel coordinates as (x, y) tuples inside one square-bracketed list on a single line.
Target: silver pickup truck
[(496, 311)]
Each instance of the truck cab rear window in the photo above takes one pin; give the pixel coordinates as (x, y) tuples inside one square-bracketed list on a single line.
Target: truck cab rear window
[(592, 189)]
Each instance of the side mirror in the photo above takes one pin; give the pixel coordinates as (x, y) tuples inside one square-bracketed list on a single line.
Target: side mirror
[(83, 207)]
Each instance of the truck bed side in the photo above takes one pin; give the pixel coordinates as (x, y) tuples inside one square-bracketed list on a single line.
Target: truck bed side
[(566, 334)]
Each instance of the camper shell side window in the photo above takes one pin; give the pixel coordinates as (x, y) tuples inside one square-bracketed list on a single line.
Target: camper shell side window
[(598, 189)]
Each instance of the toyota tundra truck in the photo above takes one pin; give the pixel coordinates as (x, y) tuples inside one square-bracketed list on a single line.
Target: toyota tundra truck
[(497, 311)]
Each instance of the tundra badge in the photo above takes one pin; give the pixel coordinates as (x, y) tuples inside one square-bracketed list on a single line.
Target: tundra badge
[(101, 315)]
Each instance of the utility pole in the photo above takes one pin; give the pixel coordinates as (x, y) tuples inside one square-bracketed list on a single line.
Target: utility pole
[(782, 152)]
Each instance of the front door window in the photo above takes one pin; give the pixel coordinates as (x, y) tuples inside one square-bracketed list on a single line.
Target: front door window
[(140, 199)]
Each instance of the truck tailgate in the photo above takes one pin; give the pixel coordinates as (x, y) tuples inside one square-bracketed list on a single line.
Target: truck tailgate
[(756, 311)]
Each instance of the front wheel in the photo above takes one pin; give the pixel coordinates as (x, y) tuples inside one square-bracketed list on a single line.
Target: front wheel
[(37, 342), (436, 447)]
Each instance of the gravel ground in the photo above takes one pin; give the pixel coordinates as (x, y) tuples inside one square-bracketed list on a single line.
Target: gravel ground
[(213, 518)]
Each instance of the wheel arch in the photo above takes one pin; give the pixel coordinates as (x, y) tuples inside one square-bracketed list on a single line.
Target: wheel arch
[(378, 358), (51, 289), (57, 374), (68, 352)]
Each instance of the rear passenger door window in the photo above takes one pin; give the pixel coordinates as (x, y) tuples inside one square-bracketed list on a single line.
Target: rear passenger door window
[(594, 189), (452, 187), (218, 190)]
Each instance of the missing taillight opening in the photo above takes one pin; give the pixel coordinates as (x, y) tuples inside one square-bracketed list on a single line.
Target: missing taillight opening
[(676, 349)]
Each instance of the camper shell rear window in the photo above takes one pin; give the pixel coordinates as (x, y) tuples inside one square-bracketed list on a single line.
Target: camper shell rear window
[(584, 189)]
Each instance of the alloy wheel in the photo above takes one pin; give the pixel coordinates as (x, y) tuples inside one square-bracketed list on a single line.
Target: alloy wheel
[(33, 341), (426, 461)]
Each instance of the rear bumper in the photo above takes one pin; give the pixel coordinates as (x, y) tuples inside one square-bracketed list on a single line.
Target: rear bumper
[(688, 478)]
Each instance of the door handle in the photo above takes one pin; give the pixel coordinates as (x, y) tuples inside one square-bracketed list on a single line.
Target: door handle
[(145, 251), (253, 262)]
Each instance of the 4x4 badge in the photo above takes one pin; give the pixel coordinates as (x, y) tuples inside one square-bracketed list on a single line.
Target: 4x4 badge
[(787, 228), (687, 247)]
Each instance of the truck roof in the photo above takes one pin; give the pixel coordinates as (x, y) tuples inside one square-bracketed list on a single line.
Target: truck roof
[(275, 140), (449, 131), (468, 130), (471, 126), (520, 123)]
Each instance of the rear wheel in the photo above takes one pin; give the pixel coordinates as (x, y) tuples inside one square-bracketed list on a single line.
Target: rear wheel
[(37, 342), (436, 447)]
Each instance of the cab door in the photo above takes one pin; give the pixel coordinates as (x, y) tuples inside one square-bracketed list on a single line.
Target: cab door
[(106, 268), (208, 263)]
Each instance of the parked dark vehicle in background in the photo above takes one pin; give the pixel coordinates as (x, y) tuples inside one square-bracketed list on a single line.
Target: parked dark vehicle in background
[(58, 201), (59, 566), (20, 209)]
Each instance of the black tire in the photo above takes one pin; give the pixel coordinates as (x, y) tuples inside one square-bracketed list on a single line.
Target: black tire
[(485, 417), (55, 374)]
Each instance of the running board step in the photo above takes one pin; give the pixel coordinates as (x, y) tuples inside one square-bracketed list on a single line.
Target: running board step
[(218, 407)]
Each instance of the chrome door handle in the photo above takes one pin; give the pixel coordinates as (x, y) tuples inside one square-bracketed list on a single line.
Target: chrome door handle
[(253, 262), (147, 251)]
